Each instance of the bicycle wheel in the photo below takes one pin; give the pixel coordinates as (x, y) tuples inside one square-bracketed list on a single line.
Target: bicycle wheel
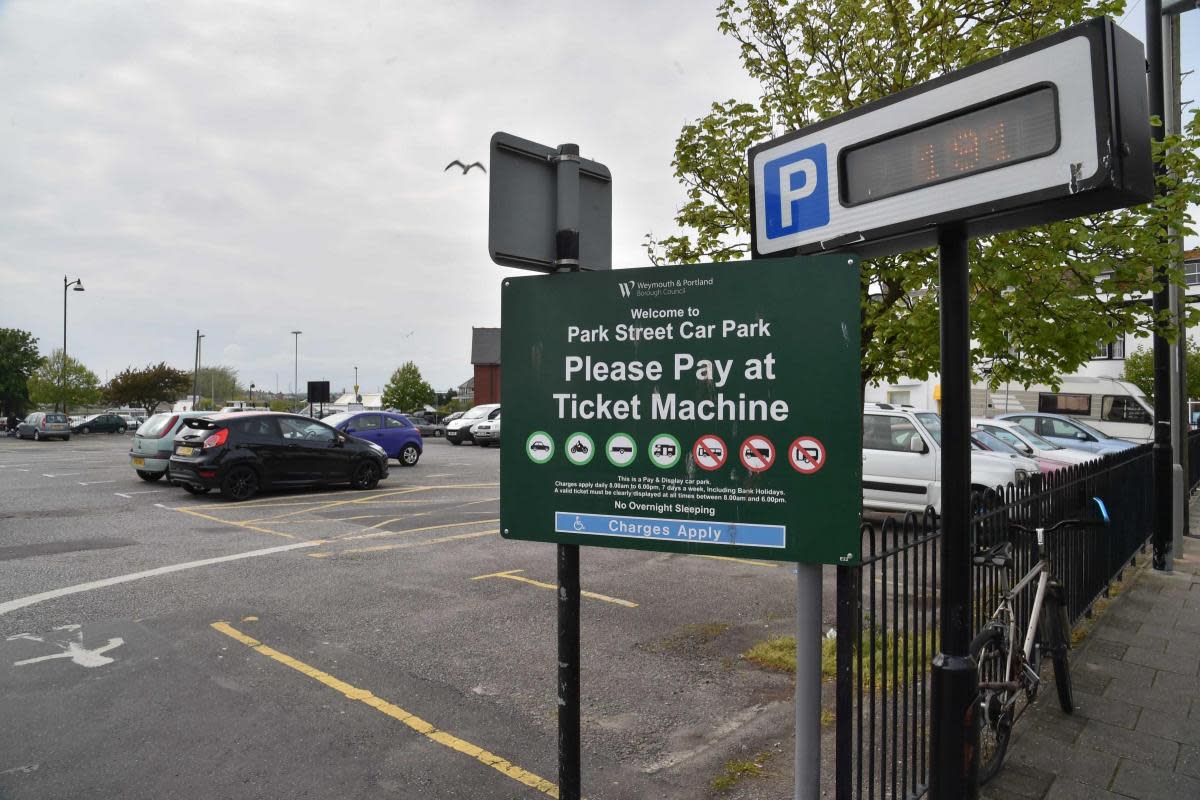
[(990, 651), (1058, 642)]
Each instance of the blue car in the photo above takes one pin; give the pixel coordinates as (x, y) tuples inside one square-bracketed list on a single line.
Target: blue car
[(1068, 432), (398, 437)]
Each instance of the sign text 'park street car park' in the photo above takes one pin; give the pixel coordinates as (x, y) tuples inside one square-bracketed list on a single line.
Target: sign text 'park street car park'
[(709, 409)]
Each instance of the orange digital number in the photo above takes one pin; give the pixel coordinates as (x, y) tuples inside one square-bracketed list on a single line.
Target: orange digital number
[(966, 150), (997, 145)]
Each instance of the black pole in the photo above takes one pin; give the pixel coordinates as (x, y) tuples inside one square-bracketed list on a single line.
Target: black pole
[(953, 773), (64, 358), (1163, 469), (570, 785)]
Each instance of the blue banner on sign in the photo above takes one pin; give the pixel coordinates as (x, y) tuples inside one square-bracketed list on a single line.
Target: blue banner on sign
[(675, 530), (796, 190)]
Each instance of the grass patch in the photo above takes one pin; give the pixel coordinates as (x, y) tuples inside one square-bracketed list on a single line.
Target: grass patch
[(736, 771), (779, 653)]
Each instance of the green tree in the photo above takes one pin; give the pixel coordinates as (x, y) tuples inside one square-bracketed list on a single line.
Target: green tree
[(218, 383), (1040, 297), (19, 358), (147, 387), (407, 390), (1139, 369), (51, 385)]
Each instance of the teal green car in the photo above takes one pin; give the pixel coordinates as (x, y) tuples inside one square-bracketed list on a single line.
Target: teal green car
[(153, 441)]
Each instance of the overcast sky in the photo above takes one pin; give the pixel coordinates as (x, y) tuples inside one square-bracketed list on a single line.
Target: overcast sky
[(253, 168)]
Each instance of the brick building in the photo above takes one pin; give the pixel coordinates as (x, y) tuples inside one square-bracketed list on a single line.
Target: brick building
[(485, 358)]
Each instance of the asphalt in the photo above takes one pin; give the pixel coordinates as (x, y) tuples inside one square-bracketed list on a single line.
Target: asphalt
[(339, 643), (1135, 731)]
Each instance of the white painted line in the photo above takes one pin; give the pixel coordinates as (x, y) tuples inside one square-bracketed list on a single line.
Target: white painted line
[(128, 495), (33, 599), (93, 483), (60, 474)]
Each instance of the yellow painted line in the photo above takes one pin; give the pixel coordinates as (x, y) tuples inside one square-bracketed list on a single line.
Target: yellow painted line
[(379, 534), (333, 504), (402, 545), (426, 729), (513, 576), (749, 561), (234, 523)]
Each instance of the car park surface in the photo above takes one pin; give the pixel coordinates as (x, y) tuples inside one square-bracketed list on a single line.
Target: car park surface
[(274, 647)]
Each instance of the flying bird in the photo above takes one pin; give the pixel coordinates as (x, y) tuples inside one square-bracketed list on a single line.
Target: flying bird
[(465, 167)]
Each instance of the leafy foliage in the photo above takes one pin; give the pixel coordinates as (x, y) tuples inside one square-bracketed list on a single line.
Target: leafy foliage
[(147, 387), (1139, 369), (51, 384), (1040, 297), (19, 358), (219, 383), (407, 390)]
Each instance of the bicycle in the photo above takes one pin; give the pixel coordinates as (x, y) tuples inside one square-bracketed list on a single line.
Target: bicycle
[(1006, 673)]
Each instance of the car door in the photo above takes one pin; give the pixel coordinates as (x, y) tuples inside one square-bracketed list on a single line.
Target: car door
[(325, 458), (1060, 431), (397, 431), (366, 426), (281, 464), (899, 466), (301, 461)]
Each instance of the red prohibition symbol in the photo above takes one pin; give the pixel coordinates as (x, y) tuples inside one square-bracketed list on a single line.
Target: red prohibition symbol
[(806, 455), (710, 452)]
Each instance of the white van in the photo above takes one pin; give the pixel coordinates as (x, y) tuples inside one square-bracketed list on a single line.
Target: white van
[(1115, 407)]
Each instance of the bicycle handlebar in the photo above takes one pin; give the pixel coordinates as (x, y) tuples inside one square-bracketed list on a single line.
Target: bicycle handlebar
[(1103, 522)]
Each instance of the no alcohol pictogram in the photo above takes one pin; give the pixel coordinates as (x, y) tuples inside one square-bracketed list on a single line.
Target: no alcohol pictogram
[(757, 453), (806, 455), (710, 452)]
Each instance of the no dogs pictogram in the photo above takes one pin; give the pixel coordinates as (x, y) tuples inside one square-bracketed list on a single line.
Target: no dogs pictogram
[(710, 452), (757, 453), (806, 455)]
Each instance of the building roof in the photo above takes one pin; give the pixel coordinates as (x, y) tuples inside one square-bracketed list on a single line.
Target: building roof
[(485, 346), (468, 385)]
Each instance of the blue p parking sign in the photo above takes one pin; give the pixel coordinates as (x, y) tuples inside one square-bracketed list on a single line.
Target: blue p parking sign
[(796, 189)]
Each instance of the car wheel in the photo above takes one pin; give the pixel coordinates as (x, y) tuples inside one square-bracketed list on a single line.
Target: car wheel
[(66, 438), (37, 436), (409, 455), (187, 487), (148, 477), (121, 429), (366, 475), (438, 433), (240, 484), (85, 429), (455, 442)]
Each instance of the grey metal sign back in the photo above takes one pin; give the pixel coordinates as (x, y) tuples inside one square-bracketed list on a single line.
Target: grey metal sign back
[(524, 201)]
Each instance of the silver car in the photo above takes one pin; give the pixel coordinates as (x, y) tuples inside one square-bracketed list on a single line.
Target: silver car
[(45, 425), (152, 442)]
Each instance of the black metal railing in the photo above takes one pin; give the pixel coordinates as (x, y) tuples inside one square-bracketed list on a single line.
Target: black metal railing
[(888, 605)]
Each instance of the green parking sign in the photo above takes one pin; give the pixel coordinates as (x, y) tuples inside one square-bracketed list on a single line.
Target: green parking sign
[(725, 398)]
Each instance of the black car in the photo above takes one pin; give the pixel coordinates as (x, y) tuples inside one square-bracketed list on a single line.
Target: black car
[(244, 452), (102, 423)]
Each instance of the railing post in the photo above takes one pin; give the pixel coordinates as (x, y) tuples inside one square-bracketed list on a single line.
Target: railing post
[(849, 614)]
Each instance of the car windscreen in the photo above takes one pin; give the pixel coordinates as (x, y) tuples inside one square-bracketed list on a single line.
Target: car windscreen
[(994, 444), (56, 418), (478, 412), (1089, 429), (155, 426), (932, 423), (337, 419)]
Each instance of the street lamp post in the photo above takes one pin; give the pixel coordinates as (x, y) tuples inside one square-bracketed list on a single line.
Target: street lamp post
[(78, 284), (196, 373), (356, 397), (296, 365)]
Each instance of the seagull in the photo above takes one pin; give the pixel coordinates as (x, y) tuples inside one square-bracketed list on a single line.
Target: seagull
[(465, 167)]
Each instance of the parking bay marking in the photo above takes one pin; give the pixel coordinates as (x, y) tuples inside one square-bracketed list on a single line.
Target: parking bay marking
[(513, 576), (234, 523), (381, 534), (404, 545), (426, 729), (33, 599)]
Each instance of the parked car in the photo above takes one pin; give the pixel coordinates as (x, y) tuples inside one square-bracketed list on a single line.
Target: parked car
[(1069, 432), (986, 441), (446, 420), (245, 452), (398, 437), (101, 423), (486, 433), (154, 440), (459, 430), (902, 460), (44, 425), (425, 426), (1030, 443)]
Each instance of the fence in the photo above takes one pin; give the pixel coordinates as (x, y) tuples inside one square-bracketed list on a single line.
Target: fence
[(887, 606)]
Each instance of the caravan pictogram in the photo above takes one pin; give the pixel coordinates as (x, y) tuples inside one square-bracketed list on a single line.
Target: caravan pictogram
[(806, 455), (709, 452)]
